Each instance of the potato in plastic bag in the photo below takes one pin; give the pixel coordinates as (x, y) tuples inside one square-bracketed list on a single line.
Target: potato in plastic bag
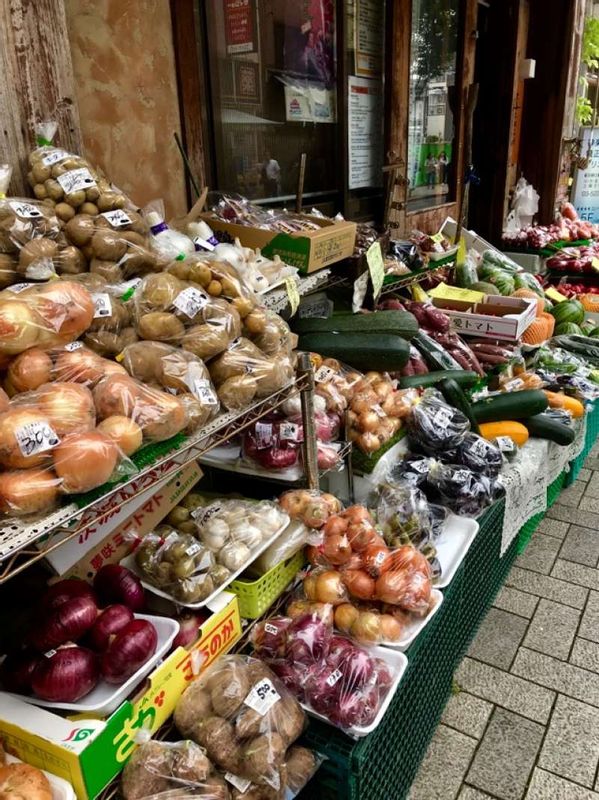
[(22, 221), (269, 332), (244, 717), (435, 426), (218, 278)]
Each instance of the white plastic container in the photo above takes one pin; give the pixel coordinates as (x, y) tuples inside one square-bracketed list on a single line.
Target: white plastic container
[(417, 625), (452, 546)]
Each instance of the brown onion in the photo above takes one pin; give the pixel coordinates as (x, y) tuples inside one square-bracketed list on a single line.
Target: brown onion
[(126, 434), (30, 369), (28, 491), (85, 460)]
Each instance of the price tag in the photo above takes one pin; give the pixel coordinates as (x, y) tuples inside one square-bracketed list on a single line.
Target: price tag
[(442, 417), (289, 432), (318, 305), (479, 448), (241, 784), (595, 264), (271, 628), (292, 294), (205, 513), (554, 295), (334, 677), (55, 157), (76, 180), (19, 287), (380, 558), (25, 210), (445, 292), (36, 437), (514, 385), (262, 697), (50, 653), (462, 475), (324, 374), (190, 301), (73, 346), (263, 434), (419, 466), (117, 218), (204, 392), (193, 549), (102, 305), (202, 244), (505, 444), (437, 238), (376, 267)]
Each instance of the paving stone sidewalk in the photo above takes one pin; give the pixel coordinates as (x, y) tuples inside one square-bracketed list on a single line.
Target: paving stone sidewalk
[(523, 723)]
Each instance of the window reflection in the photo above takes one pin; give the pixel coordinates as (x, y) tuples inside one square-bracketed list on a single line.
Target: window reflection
[(431, 124)]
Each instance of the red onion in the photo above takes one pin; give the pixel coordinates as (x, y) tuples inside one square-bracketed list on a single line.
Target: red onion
[(62, 591), (291, 675), (112, 620), (66, 675), (189, 626), (64, 624), (269, 638), (322, 696), (308, 639), (117, 584), (129, 650), (17, 670)]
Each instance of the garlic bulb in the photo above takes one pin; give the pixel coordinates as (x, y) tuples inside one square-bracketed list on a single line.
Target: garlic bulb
[(234, 555)]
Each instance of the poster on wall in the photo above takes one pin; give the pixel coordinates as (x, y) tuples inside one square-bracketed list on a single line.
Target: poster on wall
[(239, 26), (368, 27), (306, 103), (585, 194), (365, 132), (309, 48)]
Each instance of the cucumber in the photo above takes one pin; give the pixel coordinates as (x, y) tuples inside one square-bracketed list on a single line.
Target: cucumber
[(454, 395), (400, 323), (543, 427), (484, 287), (383, 352), (436, 357), (511, 405), (462, 377)]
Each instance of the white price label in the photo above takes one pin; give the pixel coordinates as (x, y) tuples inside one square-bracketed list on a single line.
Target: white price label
[(241, 784), (442, 417), (262, 697), (73, 346), (193, 549), (205, 562), (50, 653), (514, 385), (263, 435), (289, 432), (271, 628), (334, 677), (19, 287), (102, 305), (323, 374), (204, 392), (25, 210), (117, 218), (190, 301), (380, 558), (479, 448), (504, 443), (204, 513), (76, 180), (202, 244), (36, 437), (461, 475), (55, 157), (419, 466)]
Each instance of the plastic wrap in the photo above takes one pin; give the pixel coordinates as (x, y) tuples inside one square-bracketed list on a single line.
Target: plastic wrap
[(312, 508), (376, 411), (293, 538), (466, 493), (232, 529), (216, 277), (403, 514), (257, 272), (112, 327), (178, 371), (328, 673), (269, 332), (480, 456), (45, 315), (243, 372), (158, 415), (244, 717), (165, 241), (411, 470), (436, 426)]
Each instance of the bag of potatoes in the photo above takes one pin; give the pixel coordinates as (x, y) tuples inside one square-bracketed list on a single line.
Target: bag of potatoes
[(178, 371)]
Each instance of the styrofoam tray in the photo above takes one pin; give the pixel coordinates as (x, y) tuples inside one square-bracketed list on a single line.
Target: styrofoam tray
[(453, 544), (417, 624), (130, 563), (106, 697), (61, 789), (398, 663)]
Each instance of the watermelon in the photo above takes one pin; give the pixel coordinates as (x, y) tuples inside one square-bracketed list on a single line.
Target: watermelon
[(524, 280), (594, 334), (484, 287), (568, 311), (567, 328)]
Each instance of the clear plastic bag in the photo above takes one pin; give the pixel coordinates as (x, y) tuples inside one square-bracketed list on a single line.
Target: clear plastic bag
[(294, 537), (244, 717), (411, 470), (403, 514), (436, 426), (233, 529), (480, 455), (165, 241), (269, 332), (376, 411), (463, 491), (312, 508), (43, 315), (178, 371), (216, 277)]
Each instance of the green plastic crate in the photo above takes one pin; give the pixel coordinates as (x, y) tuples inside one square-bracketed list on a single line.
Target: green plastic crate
[(527, 530), (591, 437), (255, 597)]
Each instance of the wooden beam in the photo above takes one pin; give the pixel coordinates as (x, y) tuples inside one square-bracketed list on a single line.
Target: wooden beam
[(37, 81)]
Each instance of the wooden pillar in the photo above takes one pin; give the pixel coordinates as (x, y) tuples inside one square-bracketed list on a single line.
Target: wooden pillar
[(36, 81)]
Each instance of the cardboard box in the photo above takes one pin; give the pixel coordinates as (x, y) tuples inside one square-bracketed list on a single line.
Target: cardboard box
[(504, 318), (308, 250), (90, 752), (110, 537)]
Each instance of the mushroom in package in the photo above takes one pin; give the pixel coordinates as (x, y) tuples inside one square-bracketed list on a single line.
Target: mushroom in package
[(244, 717), (45, 315), (436, 426), (178, 371), (244, 372)]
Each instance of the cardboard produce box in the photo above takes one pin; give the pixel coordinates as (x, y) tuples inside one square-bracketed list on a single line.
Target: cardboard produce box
[(308, 251), (113, 534), (495, 317), (90, 752)]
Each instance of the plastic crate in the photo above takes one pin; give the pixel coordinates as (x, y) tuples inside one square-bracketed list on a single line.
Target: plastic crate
[(527, 530), (255, 597), (591, 437), (554, 489)]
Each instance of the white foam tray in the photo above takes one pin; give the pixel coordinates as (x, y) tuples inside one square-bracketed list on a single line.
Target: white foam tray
[(106, 697), (417, 624), (452, 546)]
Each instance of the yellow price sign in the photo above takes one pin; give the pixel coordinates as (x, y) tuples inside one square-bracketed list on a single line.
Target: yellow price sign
[(292, 294), (595, 264), (554, 295), (376, 267), (445, 292)]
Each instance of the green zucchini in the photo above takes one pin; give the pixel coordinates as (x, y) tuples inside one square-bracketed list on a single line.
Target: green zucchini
[(400, 323), (436, 357), (454, 395), (510, 405), (462, 377), (543, 427), (581, 345), (384, 352)]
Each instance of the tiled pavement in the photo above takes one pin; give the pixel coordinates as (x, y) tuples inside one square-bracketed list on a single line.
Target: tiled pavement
[(524, 720)]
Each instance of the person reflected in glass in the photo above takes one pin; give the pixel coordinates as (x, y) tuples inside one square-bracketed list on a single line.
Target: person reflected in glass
[(443, 167), (430, 169), (271, 176)]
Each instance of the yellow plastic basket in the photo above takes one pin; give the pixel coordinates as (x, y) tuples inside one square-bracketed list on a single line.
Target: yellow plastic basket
[(255, 597)]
